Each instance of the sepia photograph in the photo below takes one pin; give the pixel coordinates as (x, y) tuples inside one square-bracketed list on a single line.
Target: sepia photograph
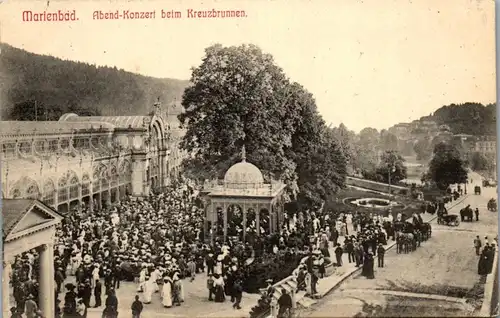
[(248, 159)]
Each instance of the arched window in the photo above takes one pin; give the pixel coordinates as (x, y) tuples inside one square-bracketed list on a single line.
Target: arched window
[(49, 193), (114, 176), (62, 189), (85, 185), (15, 193), (129, 172), (32, 191), (104, 178), (74, 188), (96, 179)]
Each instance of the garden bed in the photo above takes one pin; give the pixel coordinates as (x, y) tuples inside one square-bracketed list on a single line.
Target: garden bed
[(336, 203)]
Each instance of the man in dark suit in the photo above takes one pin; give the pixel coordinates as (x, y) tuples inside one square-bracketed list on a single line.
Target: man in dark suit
[(98, 293)]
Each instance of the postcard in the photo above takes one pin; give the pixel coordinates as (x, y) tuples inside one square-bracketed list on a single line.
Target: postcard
[(220, 158)]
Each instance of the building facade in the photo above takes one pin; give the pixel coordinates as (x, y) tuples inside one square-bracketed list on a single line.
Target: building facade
[(93, 160), (486, 145)]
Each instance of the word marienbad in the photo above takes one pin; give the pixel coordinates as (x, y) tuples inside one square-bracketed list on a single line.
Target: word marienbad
[(65, 15)]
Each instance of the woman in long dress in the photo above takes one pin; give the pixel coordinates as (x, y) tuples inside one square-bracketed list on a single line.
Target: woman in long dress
[(219, 289), (148, 291), (167, 292), (142, 280), (369, 266), (176, 290)]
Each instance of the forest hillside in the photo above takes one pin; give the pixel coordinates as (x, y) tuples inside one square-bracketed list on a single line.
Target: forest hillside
[(44, 87)]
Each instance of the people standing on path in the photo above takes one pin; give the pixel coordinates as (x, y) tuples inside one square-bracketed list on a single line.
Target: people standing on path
[(477, 245), (136, 307), (368, 270), (476, 211), (338, 254), (98, 293), (349, 246), (380, 253), (210, 287), (238, 293), (285, 304)]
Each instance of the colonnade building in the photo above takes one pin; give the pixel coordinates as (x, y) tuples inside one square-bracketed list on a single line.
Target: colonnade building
[(94, 160)]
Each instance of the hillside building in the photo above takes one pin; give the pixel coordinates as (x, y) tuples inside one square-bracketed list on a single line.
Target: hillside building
[(486, 145), (91, 160)]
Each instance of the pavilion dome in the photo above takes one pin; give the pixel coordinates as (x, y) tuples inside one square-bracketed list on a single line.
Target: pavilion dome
[(243, 174)]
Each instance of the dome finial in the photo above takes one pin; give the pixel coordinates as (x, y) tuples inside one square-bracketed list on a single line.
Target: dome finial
[(243, 154)]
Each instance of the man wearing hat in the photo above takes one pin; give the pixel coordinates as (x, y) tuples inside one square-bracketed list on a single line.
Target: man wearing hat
[(30, 307), (210, 263), (380, 253)]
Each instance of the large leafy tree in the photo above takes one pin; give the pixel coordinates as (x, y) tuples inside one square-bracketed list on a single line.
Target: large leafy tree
[(423, 148), (480, 162), (392, 164), (388, 141), (323, 171), (239, 96), (447, 166)]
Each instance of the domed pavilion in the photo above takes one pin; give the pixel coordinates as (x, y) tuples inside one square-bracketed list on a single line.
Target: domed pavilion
[(243, 204)]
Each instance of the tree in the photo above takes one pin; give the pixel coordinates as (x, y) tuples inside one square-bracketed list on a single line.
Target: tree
[(447, 166), (388, 141), (423, 148), (60, 86), (345, 138), (393, 164), (479, 162), (323, 173), (238, 97), (468, 118)]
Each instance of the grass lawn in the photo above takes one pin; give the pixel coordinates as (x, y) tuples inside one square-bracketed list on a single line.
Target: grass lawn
[(336, 203)]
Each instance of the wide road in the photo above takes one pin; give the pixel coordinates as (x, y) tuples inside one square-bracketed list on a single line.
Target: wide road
[(444, 265)]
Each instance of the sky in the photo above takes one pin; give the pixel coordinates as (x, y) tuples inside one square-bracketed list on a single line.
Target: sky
[(370, 63)]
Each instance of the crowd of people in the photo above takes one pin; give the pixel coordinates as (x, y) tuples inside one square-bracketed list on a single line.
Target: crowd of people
[(486, 254), (157, 243)]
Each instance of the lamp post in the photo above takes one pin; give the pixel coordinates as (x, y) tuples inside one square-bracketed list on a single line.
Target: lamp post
[(392, 168)]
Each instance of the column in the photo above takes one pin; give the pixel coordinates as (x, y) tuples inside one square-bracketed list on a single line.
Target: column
[(91, 197), (7, 269), (108, 198), (47, 288), (225, 221), (257, 219), (271, 219), (244, 222)]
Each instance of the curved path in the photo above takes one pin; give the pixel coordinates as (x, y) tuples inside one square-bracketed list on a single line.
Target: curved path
[(443, 266)]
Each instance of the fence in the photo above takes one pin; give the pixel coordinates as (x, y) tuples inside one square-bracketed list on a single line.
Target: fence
[(491, 294)]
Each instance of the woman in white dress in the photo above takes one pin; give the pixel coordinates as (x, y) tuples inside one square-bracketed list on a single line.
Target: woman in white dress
[(95, 275), (142, 279), (166, 292), (148, 291)]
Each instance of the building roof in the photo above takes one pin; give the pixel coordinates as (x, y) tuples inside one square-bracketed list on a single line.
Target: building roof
[(48, 127), (243, 175), (117, 121), (14, 210)]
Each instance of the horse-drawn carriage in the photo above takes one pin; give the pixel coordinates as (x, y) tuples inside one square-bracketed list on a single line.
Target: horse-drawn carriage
[(477, 190), (467, 214), (492, 205), (448, 219)]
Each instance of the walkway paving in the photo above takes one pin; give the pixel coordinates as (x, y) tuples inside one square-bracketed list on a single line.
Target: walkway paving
[(328, 284), (408, 294)]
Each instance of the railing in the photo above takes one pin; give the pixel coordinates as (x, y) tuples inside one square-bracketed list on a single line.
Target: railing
[(491, 297)]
